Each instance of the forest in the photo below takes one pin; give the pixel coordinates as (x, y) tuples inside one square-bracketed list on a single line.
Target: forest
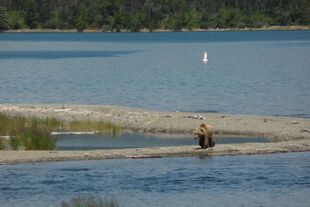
[(135, 15)]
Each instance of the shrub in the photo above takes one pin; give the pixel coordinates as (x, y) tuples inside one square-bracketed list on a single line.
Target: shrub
[(107, 28)]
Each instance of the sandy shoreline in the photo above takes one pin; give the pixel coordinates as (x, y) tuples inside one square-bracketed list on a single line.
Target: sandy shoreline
[(289, 134)]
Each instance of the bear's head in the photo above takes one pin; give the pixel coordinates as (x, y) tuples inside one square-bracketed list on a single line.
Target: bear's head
[(200, 132)]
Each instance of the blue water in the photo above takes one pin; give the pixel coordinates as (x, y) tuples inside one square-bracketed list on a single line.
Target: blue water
[(131, 140), (247, 73), (279, 180)]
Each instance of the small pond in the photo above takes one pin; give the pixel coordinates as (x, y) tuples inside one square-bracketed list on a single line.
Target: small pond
[(277, 180), (135, 140)]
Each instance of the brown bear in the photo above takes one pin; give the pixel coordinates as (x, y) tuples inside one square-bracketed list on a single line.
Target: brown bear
[(204, 134)]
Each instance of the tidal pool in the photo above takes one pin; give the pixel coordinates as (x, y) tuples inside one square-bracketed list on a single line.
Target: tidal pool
[(134, 140), (233, 181)]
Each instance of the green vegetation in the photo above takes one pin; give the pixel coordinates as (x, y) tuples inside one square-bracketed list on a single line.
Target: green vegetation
[(89, 202), (20, 125), (3, 19), (33, 133), (87, 125), (1, 144), (32, 140), (134, 15)]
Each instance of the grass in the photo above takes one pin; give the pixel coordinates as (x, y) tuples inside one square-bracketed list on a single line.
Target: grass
[(33, 133), (99, 126), (32, 140), (89, 202), (1, 144), (17, 125)]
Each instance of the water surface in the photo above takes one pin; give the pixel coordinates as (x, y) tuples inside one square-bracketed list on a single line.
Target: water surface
[(131, 140), (265, 72), (279, 180)]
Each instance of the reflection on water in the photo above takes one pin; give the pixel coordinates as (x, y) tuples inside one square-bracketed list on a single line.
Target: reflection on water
[(235, 181), (130, 140)]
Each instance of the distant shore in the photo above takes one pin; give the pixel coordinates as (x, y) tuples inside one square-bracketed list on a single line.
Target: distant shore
[(287, 133), (267, 28)]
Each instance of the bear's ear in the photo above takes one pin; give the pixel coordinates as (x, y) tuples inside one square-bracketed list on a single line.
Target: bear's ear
[(203, 125)]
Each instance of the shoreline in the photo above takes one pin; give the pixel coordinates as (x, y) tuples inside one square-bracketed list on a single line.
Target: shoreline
[(267, 28), (289, 134), (16, 157), (276, 128)]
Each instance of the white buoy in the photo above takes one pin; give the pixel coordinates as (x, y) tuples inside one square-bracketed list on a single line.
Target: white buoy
[(205, 57)]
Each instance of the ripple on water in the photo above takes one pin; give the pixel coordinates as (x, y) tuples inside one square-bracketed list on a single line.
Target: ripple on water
[(248, 72), (260, 180)]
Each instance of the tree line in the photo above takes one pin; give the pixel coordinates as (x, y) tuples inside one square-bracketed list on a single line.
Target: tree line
[(134, 15)]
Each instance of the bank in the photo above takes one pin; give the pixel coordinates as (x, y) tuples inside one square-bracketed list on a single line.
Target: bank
[(289, 134), (91, 30)]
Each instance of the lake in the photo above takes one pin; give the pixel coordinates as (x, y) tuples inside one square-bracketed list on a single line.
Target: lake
[(261, 72), (278, 180)]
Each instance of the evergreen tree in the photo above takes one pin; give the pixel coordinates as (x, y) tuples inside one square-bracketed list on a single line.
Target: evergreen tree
[(135, 15), (3, 19), (31, 14)]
